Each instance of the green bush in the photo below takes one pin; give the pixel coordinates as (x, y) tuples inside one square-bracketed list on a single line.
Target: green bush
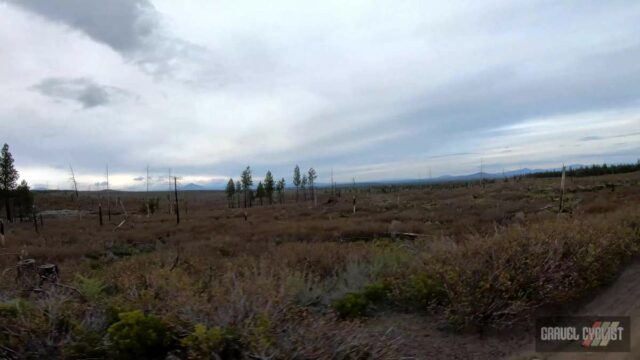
[(212, 343), (352, 305), (424, 290), (137, 336), (13, 308), (376, 292), (92, 289)]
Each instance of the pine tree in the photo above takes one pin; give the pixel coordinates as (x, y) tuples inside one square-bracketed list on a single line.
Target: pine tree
[(296, 179), (247, 182), (8, 178), (24, 198), (311, 179), (280, 189), (8, 174), (260, 192), (230, 190), (303, 186), (238, 191), (269, 186)]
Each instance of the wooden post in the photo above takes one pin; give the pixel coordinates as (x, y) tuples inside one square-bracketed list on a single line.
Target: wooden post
[(100, 213), (41, 221), (562, 190), (108, 196), (35, 220), (354, 204), (175, 189), (2, 242)]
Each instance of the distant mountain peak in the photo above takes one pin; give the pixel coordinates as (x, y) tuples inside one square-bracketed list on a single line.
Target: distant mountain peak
[(191, 187)]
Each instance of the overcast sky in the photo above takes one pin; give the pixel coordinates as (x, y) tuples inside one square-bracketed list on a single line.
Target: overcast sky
[(372, 89)]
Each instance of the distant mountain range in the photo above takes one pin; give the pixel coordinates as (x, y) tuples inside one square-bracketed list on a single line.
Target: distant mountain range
[(439, 179)]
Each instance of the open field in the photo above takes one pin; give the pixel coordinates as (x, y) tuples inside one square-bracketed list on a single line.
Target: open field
[(449, 271)]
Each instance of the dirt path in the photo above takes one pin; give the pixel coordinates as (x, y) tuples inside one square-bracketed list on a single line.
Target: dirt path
[(622, 298), (420, 338)]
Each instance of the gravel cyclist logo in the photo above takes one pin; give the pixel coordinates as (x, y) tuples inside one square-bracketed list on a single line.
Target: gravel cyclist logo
[(583, 333)]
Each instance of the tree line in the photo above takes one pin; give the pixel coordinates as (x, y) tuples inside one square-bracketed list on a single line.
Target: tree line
[(17, 198), (593, 170), (241, 191)]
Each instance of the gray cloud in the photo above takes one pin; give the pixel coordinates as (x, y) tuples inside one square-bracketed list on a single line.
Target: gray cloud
[(85, 91), (591, 138), (139, 178), (124, 25), (433, 85)]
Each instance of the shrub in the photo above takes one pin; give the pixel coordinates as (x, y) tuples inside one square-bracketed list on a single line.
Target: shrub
[(92, 289), (210, 343), (424, 290), (13, 308), (138, 336), (376, 292), (352, 305), (85, 344)]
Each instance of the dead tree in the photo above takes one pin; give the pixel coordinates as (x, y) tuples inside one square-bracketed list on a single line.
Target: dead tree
[(108, 196), (126, 215), (2, 240), (146, 197), (175, 189), (73, 179), (562, 190), (35, 220)]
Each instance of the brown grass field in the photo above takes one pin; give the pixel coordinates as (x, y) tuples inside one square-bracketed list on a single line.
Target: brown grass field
[(296, 281)]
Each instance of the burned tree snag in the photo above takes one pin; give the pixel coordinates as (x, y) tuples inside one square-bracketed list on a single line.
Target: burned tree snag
[(35, 220), (2, 241), (175, 191)]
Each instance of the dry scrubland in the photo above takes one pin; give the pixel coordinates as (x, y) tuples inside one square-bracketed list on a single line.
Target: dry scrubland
[(300, 282)]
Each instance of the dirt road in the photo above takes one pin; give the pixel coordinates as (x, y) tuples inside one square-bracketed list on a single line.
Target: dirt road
[(622, 298)]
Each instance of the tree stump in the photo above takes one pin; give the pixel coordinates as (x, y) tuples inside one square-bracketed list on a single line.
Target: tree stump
[(48, 272), (26, 274)]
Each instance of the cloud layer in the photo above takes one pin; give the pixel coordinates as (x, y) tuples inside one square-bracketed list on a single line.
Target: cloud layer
[(373, 90)]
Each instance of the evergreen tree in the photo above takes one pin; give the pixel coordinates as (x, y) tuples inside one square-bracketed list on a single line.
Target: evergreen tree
[(230, 190), (303, 186), (311, 179), (269, 186), (238, 191), (280, 189), (260, 192), (247, 182), (8, 174), (8, 178), (296, 179), (24, 199)]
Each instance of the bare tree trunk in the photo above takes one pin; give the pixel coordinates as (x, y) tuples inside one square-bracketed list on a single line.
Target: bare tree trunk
[(35, 221), (2, 241), (108, 196), (146, 200), (75, 183), (175, 188), (562, 190)]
